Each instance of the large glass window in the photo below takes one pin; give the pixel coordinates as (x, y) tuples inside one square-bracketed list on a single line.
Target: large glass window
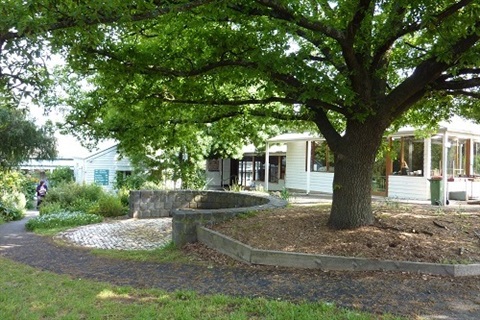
[(457, 159), (458, 153), (252, 168), (436, 158), (321, 158), (408, 156), (476, 159)]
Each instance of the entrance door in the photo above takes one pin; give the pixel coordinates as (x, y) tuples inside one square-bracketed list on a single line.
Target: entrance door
[(234, 172)]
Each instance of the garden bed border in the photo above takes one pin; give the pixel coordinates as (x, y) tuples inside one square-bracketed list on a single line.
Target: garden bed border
[(245, 253)]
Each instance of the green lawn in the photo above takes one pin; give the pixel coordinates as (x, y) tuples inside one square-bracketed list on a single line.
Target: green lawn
[(27, 293)]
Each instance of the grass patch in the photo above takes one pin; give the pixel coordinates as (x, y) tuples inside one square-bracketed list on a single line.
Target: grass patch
[(168, 253), (27, 293), (61, 220)]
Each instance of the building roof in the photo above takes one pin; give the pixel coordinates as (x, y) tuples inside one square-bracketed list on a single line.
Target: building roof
[(455, 127), (290, 137)]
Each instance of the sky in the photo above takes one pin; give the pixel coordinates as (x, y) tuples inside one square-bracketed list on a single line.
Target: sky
[(67, 145)]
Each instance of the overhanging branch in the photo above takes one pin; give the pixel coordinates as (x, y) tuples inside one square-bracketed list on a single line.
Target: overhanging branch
[(400, 32), (161, 8), (470, 94), (457, 84), (275, 10)]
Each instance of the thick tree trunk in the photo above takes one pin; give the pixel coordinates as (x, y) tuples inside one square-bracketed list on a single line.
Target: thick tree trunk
[(354, 160)]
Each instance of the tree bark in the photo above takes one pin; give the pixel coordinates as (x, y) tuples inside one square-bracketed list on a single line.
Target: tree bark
[(354, 160)]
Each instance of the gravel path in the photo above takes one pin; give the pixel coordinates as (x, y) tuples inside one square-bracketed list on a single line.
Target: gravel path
[(430, 297)]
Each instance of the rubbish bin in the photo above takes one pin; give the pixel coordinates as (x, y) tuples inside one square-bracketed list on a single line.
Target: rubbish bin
[(436, 191)]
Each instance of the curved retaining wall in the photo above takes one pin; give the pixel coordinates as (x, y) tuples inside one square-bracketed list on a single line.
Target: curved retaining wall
[(190, 208)]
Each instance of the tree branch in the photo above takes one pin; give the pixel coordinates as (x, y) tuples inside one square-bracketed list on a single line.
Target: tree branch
[(326, 51), (358, 17), (450, 11), (162, 8), (233, 102), (400, 32), (426, 73), (278, 11), (457, 84), (326, 128), (470, 94)]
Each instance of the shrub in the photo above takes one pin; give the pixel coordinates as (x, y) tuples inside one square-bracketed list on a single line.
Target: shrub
[(16, 189), (60, 175), (62, 219), (132, 182), (74, 197), (109, 206), (89, 198), (51, 207), (82, 204), (15, 200), (69, 193), (151, 185), (124, 195), (9, 213)]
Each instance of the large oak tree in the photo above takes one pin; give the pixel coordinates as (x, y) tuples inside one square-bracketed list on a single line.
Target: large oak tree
[(198, 72)]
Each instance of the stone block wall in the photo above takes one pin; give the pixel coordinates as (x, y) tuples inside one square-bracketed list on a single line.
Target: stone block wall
[(190, 208)]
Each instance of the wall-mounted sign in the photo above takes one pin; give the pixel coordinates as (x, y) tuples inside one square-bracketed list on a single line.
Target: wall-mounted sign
[(100, 176), (213, 165)]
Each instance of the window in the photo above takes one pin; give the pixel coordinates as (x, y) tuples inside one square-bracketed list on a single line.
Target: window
[(277, 168), (252, 168), (408, 156), (121, 178), (457, 158), (436, 162), (458, 161), (322, 159), (476, 159)]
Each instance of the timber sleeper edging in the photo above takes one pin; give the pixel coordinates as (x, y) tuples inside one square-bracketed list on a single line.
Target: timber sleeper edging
[(245, 253)]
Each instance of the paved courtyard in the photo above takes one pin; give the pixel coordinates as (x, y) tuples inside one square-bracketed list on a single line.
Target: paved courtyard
[(128, 234)]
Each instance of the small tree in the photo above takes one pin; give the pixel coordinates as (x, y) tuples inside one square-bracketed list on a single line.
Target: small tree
[(22, 139), (59, 175)]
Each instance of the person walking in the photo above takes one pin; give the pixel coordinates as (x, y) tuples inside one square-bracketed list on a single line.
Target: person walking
[(41, 192)]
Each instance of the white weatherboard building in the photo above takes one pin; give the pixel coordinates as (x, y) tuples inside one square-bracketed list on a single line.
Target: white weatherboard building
[(101, 167), (451, 156)]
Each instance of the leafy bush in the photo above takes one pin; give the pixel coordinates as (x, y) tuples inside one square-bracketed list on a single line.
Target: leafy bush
[(50, 207), (124, 195), (151, 185), (73, 197), (109, 206), (131, 182), (17, 189), (74, 191), (85, 198), (15, 200), (82, 204), (9, 213), (62, 219), (60, 175)]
